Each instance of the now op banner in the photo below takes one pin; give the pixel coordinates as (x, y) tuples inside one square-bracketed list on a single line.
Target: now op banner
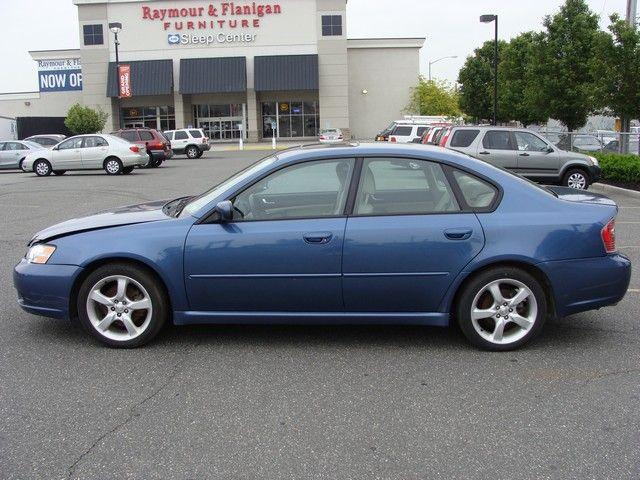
[(59, 75)]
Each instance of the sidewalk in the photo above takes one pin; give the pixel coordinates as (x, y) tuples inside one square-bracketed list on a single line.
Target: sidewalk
[(233, 147)]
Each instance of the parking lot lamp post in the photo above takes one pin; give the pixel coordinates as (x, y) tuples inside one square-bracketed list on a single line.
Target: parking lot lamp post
[(436, 61), (115, 28), (489, 19)]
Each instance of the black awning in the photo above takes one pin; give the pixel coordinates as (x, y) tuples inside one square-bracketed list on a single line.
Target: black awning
[(148, 77), (286, 72), (213, 75)]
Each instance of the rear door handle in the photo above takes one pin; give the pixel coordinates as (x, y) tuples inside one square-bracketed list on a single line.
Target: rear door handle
[(318, 238), (524, 155), (458, 233), (484, 153)]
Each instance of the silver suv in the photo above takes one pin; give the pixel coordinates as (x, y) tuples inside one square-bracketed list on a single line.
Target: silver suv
[(526, 153)]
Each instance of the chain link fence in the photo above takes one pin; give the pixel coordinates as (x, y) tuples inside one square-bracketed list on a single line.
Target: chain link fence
[(599, 141)]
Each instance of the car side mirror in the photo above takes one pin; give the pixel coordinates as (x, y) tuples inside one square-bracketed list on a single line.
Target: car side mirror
[(549, 149), (225, 211)]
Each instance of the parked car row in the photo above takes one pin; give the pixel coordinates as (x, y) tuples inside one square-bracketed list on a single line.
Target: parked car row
[(516, 149), (118, 152)]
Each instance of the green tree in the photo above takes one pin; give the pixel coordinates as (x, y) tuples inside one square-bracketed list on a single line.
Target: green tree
[(517, 84), (434, 97), (476, 83), (616, 71), (81, 120), (562, 64)]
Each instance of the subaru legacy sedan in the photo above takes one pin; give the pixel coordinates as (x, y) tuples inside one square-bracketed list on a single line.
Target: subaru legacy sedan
[(348, 234)]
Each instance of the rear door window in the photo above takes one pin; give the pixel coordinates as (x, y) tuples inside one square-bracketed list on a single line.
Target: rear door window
[(130, 135), (421, 131), (497, 140), (180, 135), (403, 131), (145, 135), (464, 138)]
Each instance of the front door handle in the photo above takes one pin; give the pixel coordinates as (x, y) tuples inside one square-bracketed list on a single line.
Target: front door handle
[(318, 238), (484, 153), (524, 155), (458, 233)]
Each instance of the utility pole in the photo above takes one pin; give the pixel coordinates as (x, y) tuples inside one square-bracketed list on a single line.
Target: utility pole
[(625, 123), (632, 8)]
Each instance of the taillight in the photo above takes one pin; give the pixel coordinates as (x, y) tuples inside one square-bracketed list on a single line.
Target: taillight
[(204, 140), (608, 235), (134, 148), (392, 139), (443, 142)]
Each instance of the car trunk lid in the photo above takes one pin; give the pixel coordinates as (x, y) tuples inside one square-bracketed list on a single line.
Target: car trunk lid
[(581, 196)]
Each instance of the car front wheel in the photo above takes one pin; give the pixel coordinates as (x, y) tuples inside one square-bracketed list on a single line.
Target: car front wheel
[(501, 309), (42, 168), (577, 179), (113, 166), (122, 305)]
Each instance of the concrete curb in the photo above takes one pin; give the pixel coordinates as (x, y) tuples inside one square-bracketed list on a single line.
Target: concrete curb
[(611, 188)]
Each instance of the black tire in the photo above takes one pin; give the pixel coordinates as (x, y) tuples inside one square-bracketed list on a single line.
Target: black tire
[(113, 166), (150, 322), (157, 163), (42, 168), (20, 163), (514, 335), (192, 152), (127, 170), (59, 172), (575, 177), (200, 153)]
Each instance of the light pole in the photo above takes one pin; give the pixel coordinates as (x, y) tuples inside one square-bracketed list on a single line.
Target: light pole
[(436, 61), (115, 28), (489, 19)]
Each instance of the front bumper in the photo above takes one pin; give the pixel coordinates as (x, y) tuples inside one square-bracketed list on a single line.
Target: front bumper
[(595, 172), (588, 283), (45, 289)]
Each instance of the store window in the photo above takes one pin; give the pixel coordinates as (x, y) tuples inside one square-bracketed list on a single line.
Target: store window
[(160, 117), (92, 34), (331, 25), (294, 118)]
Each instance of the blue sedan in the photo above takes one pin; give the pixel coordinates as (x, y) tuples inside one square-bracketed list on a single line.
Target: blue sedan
[(348, 234)]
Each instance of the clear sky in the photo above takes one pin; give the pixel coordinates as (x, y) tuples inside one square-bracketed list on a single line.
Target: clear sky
[(451, 28)]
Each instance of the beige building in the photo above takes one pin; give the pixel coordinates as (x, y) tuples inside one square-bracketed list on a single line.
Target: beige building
[(285, 68)]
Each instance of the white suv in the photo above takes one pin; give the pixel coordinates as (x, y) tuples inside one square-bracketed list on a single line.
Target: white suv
[(190, 141), (407, 132)]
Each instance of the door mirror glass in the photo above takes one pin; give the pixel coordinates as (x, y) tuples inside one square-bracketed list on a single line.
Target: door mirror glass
[(225, 210)]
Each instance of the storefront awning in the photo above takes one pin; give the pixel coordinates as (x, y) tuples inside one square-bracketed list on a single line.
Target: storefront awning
[(286, 72), (213, 75), (148, 77)]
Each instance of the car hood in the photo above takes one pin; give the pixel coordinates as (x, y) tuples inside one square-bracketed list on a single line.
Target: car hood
[(581, 196), (132, 214)]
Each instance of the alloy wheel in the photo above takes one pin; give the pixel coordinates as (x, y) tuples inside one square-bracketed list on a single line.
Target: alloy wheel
[(577, 181), (42, 169), (119, 308), (192, 152), (504, 311)]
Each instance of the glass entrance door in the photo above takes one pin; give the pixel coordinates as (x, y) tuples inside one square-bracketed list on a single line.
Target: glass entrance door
[(221, 129)]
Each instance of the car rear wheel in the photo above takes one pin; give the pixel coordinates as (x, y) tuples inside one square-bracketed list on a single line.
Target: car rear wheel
[(42, 168), (59, 172), (21, 165), (113, 166), (127, 170), (501, 309), (576, 178), (122, 305), (192, 152)]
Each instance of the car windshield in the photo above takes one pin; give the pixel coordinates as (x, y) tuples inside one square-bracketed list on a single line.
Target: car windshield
[(201, 200)]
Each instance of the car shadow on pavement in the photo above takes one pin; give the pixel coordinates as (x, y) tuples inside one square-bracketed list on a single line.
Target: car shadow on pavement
[(556, 335)]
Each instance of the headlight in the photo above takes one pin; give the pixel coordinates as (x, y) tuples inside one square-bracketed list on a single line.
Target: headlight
[(40, 253), (594, 160)]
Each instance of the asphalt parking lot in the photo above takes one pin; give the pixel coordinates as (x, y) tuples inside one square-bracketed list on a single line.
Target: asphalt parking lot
[(303, 402)]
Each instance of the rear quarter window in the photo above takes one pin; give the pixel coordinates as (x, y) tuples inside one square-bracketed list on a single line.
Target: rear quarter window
[(464, 138), (476, 192), (195, 133)]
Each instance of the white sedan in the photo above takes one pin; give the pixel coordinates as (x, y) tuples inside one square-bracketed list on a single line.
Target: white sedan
[(87, 152), (331, 135)]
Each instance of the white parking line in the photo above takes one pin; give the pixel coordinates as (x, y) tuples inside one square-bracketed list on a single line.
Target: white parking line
[(634, 290)]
